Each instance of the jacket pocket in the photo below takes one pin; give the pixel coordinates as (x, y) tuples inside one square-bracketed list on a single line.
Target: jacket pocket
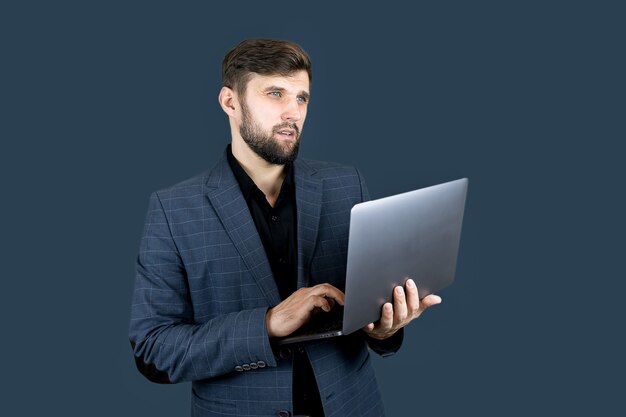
[(222, 407)]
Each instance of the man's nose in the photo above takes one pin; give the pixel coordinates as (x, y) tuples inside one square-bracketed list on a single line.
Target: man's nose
[(292, 112)]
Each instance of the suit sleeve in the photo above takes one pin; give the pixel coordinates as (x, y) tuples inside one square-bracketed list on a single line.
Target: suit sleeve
[(168, 345), (391, 345)]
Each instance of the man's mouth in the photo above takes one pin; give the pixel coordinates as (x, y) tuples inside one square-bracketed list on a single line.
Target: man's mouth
[(286, 132)]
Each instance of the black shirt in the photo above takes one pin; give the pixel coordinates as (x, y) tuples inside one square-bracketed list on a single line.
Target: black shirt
[(277, 229)]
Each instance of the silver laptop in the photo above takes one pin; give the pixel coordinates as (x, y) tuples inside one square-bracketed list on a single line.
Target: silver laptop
[(410, 235)]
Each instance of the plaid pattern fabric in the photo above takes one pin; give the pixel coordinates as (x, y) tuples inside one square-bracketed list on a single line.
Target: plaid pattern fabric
[(204, 285)]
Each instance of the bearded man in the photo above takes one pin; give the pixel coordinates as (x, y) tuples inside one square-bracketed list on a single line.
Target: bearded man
[(248, 251)]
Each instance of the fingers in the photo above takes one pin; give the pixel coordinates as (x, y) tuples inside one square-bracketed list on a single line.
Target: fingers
[(399, 305), (321, 302), (383, 328), (297, 309), (326, 296), (406, 307), (328, 291), (430, 300), (413, 299), (415, 306), (386, 318)]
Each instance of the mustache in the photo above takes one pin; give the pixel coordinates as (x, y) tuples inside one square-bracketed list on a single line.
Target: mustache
[(288, 125)]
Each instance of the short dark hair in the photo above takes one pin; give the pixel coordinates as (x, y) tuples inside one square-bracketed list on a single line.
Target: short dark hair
[(263, 57)]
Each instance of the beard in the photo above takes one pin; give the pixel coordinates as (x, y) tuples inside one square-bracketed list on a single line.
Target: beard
[(266, 146)]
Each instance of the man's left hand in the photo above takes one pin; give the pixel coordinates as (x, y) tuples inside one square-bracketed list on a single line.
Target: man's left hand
[(406, 307)]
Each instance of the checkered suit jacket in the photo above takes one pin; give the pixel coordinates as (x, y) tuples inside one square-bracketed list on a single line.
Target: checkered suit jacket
[(204, 285)]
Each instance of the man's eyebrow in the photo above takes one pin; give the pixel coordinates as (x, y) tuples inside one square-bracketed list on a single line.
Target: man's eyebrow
[(273, 88)]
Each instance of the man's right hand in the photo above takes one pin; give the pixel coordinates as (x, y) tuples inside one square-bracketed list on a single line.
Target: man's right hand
[(295, 310)]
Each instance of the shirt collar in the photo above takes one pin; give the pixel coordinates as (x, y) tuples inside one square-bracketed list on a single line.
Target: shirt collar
[(248, 187)]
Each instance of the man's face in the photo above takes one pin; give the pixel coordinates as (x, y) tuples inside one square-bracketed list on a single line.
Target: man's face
[(272, 115)]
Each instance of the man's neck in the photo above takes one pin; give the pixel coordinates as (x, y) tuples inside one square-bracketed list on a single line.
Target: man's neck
[(268, 177)]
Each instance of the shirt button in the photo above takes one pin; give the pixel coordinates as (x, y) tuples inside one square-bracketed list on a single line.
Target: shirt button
[(300, 350), (238, 368), (246, 367), (282, 261), (274, 218), (253, 365), (285, 353), (261, 364), (283, 413)]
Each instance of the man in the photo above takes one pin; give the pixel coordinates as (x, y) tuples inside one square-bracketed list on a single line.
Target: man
[(248, 251)]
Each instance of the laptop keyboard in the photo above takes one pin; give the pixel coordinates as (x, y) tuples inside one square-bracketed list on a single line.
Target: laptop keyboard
[(323, 322)]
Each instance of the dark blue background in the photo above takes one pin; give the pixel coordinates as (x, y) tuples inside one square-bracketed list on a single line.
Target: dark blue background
[(105, 102)]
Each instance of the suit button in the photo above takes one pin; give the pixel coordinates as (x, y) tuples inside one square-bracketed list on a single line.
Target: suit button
[(300, 350), (246, 367), (261, 364), (253, 365), (238, 368), (284, 353), (283, 413)]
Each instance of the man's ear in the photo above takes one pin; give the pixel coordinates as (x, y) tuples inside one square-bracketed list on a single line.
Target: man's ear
[(228, 101)]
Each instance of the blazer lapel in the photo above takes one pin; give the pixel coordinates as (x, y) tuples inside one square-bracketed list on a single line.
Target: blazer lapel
[(309, 206), (229, 204)]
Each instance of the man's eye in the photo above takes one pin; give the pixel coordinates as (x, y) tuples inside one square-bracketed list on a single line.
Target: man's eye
[(275, 93), (302, 99)]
